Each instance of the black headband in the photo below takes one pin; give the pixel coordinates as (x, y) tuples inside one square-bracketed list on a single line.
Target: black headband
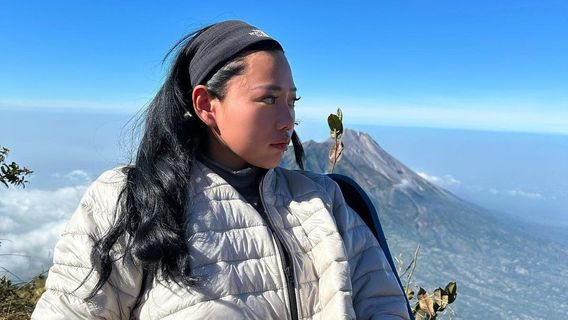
[(218, 43)]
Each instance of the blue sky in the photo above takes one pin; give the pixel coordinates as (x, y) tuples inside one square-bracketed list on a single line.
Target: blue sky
[(73, 72), (489, 65)]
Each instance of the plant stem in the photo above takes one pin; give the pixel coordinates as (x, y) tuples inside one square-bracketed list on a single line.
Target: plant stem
[(334, 154), (413, 263)]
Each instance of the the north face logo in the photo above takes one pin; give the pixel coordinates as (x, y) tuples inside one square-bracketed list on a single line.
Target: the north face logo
[(259, 33)]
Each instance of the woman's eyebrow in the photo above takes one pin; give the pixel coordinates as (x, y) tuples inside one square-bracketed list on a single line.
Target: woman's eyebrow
[(273, 87)]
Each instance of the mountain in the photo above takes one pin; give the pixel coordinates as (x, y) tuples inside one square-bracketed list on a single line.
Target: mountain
[(502, 270)]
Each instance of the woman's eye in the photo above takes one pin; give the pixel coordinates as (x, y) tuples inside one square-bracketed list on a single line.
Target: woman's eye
[(293, 104), (270, 100)]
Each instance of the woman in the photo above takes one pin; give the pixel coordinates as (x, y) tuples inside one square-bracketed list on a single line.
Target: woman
[(204, 224)]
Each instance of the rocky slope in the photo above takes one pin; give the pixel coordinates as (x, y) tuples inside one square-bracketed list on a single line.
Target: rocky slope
[(502, 271)]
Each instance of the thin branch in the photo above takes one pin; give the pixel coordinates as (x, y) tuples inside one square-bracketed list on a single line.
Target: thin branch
[(413, 263), (13, 274)]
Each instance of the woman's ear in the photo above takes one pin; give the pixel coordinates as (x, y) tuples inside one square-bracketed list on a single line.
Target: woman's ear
[(202, 105)]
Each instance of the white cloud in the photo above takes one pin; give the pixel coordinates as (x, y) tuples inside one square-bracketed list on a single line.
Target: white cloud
[(524, 194), (522, 271), (74, 176), (404, 183), (446, 180), (449, 180), (517, 192), (31, 222)]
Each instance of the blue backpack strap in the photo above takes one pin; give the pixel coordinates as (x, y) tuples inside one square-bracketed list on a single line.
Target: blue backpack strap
[(360, 202)]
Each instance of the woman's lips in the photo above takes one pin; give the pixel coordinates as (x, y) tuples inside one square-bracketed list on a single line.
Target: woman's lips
[(281, 146)]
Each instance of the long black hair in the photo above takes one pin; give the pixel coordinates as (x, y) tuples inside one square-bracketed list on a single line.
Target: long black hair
[(152, 206)]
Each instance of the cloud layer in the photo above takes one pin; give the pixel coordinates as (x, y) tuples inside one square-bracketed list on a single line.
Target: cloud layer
[(31, 222), (450, 182), (447, 180)]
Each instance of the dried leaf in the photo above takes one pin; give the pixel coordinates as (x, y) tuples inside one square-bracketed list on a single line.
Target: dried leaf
[(409, 294), (425, 302), (335, 153), (440, 299), (335, 122), (421, 315)]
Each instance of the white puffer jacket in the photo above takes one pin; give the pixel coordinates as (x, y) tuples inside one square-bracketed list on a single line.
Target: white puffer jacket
[(339, 269)]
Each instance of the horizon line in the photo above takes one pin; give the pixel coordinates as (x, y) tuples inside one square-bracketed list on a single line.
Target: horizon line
[(406, 123)]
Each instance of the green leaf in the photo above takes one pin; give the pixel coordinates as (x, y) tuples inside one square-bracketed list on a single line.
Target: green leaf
[(335, 124), (451, 289)]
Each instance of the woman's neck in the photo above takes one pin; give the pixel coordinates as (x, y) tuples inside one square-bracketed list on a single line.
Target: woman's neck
[(217, 151)]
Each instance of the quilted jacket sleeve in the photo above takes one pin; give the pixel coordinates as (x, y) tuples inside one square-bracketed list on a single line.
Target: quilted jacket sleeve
[(376, 292), (64, 296)]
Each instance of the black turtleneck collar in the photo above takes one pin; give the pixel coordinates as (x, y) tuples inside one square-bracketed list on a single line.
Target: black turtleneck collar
[(246, 181)]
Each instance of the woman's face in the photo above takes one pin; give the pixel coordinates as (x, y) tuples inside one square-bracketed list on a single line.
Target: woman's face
[(253, 124)]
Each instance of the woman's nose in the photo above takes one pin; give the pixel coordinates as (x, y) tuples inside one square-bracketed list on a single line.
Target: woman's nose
[(286, 117)]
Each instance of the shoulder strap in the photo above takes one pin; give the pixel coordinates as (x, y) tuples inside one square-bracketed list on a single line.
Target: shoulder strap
[(360, 202)]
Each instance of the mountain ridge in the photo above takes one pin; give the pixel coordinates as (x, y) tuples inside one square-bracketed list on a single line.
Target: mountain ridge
[(493, 259)]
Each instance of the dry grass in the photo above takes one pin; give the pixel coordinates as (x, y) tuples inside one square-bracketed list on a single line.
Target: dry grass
[(17, 301)]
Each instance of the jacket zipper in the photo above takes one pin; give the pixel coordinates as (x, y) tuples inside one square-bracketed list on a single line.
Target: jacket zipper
[(285, 257)]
